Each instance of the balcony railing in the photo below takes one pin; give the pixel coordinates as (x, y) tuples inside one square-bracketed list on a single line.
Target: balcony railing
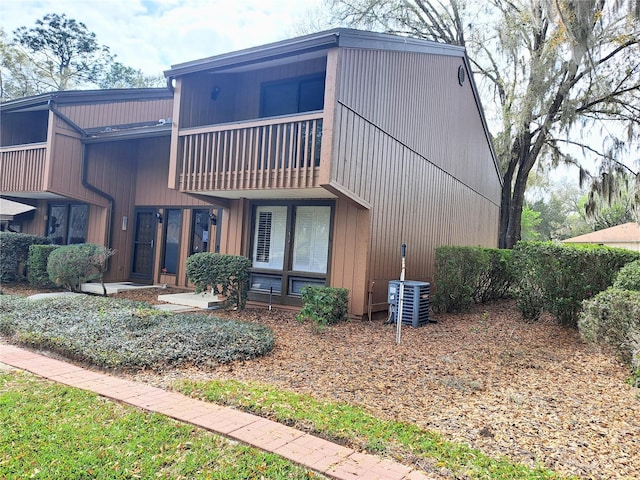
[(22, 168), (281, 152)]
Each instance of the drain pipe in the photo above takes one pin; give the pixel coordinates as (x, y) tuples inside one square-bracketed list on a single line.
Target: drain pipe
[(85, 167), (105, 195)]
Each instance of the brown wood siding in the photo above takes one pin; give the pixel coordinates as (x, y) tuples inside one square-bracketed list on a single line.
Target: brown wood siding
[(417, 100), (239, 97), (235, 228), (152, 177), (350, 253), (22, 168), (65, 173), (118, 113), (413, 201), (112, 169), (36, 224)]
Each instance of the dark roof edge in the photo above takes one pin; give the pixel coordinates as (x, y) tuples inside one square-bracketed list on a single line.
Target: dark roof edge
[(88, 96), (337, 37)]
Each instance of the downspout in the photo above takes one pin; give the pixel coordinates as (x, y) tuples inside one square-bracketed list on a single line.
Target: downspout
[(85, 167)]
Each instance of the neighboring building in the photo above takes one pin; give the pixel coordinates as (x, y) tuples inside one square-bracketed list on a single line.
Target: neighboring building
[(621, 236), (316, 157), (95, 165), (12, 214)]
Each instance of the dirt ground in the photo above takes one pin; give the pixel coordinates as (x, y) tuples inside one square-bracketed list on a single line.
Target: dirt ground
[(532, 392)]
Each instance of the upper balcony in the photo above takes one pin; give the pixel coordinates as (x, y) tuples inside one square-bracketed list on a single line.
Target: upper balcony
[(256, 127), (22, 168), (271, 153)]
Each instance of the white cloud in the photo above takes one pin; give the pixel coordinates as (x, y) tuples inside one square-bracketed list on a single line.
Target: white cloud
[(154, 34)]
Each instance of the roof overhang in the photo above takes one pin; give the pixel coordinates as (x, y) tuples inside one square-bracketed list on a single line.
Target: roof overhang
[(311, 46), (76, 97)]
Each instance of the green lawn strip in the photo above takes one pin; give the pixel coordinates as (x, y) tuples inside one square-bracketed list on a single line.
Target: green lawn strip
[(353, 426), (52, 431)]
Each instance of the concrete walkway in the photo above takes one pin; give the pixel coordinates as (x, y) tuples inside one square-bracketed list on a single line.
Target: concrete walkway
[(328, 458)]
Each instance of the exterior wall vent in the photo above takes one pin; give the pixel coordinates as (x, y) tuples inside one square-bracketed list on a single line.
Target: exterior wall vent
[(417, 300)]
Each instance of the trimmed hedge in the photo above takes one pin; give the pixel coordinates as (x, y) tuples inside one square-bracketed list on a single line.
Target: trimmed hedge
[(323, 305), (612, 318), (37, 265), (226, 274), (468, 275), (14, 250), (628, 277), (559, 277)]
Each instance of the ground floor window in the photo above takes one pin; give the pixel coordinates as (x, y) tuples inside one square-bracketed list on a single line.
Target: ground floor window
[(67, 223), (290, 247)]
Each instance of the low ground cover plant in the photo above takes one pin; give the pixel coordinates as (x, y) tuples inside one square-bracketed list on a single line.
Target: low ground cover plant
[(118, 333), (323, 306), (53, 431)]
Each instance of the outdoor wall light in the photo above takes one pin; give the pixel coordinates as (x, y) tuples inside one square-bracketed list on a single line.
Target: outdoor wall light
[(213, 218), (215, 92), (159, 217)]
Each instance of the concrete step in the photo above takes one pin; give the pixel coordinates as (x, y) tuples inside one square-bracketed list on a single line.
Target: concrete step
[(197, 300)]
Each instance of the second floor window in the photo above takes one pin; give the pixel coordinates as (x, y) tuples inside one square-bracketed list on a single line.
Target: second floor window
[(295, 95)]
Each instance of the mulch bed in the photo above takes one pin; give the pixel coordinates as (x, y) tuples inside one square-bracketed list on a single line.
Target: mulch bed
[(534, 392)]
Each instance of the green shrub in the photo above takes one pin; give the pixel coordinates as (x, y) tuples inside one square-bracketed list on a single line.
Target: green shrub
[(114, 333), (628, 277), (323, 305), (559, 277), (613, 318), (37, 265), (227, 275), (71, 265), (14, 249), (467, 275)]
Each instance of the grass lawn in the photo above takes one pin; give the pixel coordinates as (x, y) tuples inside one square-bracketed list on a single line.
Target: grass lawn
[(48, 431), (353, 425)]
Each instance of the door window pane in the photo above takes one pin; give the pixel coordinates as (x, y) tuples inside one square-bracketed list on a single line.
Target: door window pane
[(57, 224), (172, 240), (269, 237), (78, 221), (311, 240), (200, 231)]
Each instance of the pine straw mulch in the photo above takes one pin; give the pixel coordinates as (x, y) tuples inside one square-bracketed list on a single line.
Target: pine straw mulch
[(534, 392)]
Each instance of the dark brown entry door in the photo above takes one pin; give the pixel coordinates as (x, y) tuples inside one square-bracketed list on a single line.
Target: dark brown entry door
[(143, 244)]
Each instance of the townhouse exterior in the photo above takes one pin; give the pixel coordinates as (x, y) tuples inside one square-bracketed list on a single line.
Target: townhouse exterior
[(315, 157)]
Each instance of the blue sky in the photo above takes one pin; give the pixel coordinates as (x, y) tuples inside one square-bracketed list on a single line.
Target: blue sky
[(154, 34)]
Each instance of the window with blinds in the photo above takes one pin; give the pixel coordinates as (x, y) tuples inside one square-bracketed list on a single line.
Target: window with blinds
[(263, 242), (269, 237)]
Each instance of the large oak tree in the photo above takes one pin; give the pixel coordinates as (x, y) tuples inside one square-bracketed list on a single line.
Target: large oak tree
[(555, 74)]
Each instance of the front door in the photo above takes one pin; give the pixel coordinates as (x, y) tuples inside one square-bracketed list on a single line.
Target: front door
[(143, 244), (290, 249)]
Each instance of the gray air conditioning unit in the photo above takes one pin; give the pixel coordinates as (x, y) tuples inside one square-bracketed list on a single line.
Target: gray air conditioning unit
[(415, 308)]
